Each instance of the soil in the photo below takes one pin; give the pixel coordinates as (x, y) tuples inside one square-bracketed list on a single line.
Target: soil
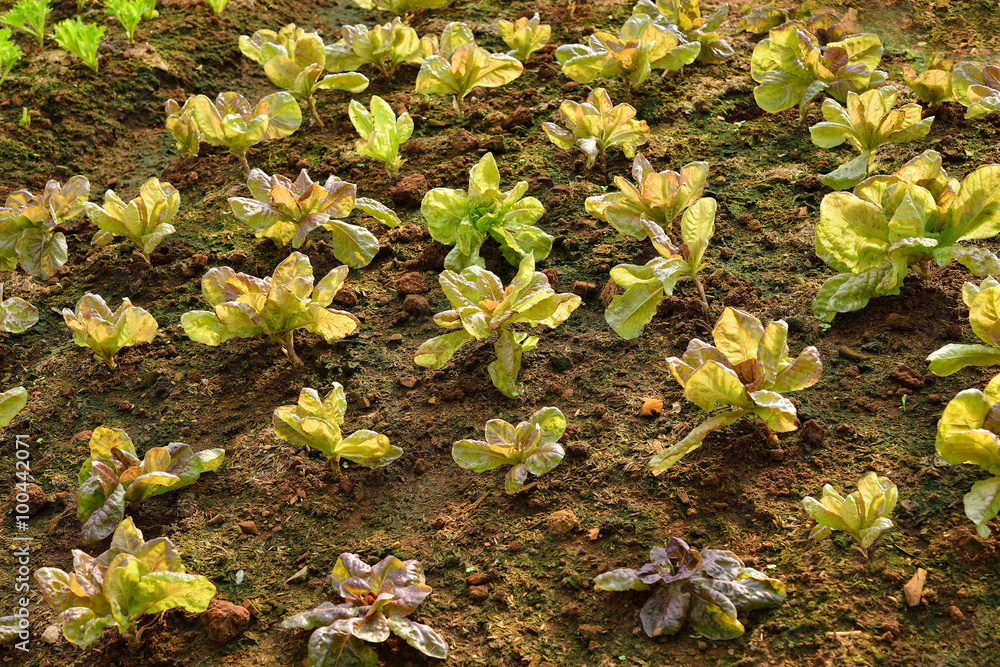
[(534, 605)]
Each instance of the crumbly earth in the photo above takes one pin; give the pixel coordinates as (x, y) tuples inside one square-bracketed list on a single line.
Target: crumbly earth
[(536, 607)]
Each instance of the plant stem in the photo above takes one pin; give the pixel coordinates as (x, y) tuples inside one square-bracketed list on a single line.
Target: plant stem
[(335, 467), (312, 110), (701, 294), (460, 106), (288, 344), (243, 163)]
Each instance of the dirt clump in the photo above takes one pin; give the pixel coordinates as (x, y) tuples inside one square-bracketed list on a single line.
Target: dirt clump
[(411, 283), (224, 621), (409, 191), (561, 522)]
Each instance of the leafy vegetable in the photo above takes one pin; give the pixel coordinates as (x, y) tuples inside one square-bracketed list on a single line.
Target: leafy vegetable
[(382, 132), (217, 5), (385, 46), (868, 122), (28, 224), (977, 87), (645, 286), (145, 220), (524, 36), (984, 313), (761, 19), (12, 401), (597, 124), (463, 219), (316, 423), (686, 15), (116, 589), (28, 16), (378, 599), (640, 47), (909, 218), (933, 84), (294, 61), (968, 433), (483, 307), (402, 8), (106, 332), (114, 477), (130, 12), (11, 629), (531, 446), (285, 210), (706, 588), (660, 196), (244, 306), (793, 68), (864, 514), (81, 39), (456, 65), (16, 314), (181, 123), (748, 369), (10, 53), (230, 121)]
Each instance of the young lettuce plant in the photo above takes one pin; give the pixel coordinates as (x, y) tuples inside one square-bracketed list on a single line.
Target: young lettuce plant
[(16, 314), (933, 84), (686, 15), (646, 286), (181, 123), (81, 39), (864, 514), (984, 313), (106, 332), (524, 36), (385, 46), (463, 219), (748, 369), (381, 131), (597, 124), (230, 121), (455, 65), (130, 12), (10, 53), (217, 5), (868, 122), (131, 579), (28, 225), (889, 223), (403, 8), (315, 422), (707, 589), (12, 402), (531, 446), (28, 16), (114, 477), (483, 307), (377, 601), (640, 47), (793, 68), (294, 60), (145, 221), (977, 88), (969, 432), (244, 306), (286, 211), (759, 20)]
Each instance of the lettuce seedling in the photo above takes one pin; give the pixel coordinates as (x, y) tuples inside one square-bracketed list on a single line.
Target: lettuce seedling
[(244, 306), (706, 588), (145, 221), (640, 47), (10, 53), (28, 225), (230, 121), (455, 65), (11, 628), (16, 314), (12, 401), (977, 88), (984, 314), (686, 15), (660, 196), (130, 12), (595, 125), (382, 132), (217, 5), (81, 39), (463, 219), (315, 422), (106, 332), (119, 587), (378, 599), (181, 123), (868, 122), (294, 60), (760, 20), (483, 307), (646, 286), (285, 210), (524, 36), (969, 432), (403, 8), (114, 477), (531, 446), (748, 369), (385, 46), (933, 84), (889, 223), (864, 514), (793, 68), (28, 16)]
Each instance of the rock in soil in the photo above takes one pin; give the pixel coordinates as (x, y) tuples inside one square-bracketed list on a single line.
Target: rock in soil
[(409, 191), (914, 588), (561, 522), (463, 142), (812, 433), (224, 621), (411, 283), (35, 500)]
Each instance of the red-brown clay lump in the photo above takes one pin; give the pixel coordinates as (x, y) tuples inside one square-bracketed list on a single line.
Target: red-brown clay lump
[(224, 621)]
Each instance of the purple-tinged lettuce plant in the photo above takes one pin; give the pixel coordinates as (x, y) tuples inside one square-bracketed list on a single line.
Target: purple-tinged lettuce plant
[(105, 332)]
